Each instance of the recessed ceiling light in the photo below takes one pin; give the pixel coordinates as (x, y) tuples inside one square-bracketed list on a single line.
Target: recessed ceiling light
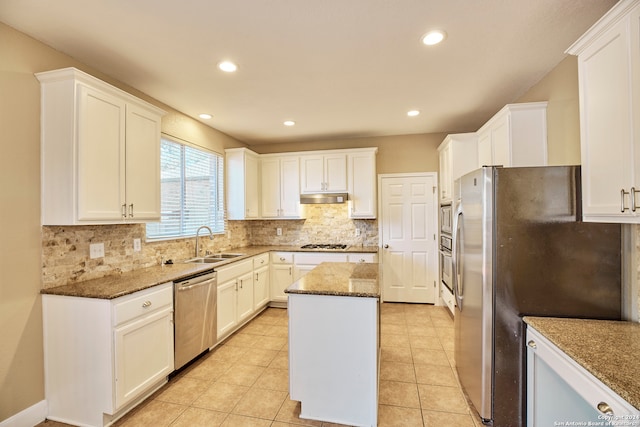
[(433, 37), (413, 113), (289, 123), (205, 116), (227, 66)]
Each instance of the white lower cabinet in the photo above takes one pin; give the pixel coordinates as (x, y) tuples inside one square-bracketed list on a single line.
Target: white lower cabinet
[(235, 296), (560, 391), (261, 281), (107, 354), (281, 276)]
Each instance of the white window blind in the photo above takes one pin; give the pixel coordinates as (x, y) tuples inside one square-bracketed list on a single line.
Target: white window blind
[(191, 191)]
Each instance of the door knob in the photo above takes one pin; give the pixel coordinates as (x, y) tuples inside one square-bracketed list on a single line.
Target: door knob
[(386, 246)]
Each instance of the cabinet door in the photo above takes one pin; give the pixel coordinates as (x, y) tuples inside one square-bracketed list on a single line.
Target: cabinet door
[(485, 149), (281, 279), (445, 172), (101, 155), (261, 290), (335, 171), (227, 307), (142, 164), (312, 174), (270, 173), (362, 185), (252, 201), (302, 270), (143, 354), (501, 142), (606, 124), (245, 296), (290, 187)]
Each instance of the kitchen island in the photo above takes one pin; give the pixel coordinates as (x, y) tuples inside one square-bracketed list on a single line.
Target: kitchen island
[(334, 343)]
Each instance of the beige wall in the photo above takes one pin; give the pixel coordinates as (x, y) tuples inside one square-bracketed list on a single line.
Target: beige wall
[(21, 353), (396, 154), (560, 89)]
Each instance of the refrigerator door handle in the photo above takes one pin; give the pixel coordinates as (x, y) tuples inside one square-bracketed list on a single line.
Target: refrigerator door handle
[(456, 262)]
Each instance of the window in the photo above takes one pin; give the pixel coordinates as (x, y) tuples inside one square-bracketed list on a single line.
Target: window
[(191, 191)]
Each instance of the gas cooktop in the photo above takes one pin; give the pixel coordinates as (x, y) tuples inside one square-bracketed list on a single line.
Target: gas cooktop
[(323, 246)]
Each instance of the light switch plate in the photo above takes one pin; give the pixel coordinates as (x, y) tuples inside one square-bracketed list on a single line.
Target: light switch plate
[(278, 231), (96, 250), (136, 245)]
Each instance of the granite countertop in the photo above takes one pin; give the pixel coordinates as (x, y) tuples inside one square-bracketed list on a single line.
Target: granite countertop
[(339, 279), (117, 285), (608, 349)]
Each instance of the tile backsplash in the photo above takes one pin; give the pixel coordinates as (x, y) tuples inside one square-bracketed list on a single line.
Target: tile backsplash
[(65, 249)]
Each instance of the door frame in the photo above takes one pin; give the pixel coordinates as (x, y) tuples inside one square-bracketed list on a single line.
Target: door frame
[(436, 207)]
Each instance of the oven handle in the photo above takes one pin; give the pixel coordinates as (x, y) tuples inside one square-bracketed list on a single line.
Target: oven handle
[(456, 259)]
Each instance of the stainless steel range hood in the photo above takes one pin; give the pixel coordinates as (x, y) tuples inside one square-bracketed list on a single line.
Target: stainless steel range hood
[(307, 199)]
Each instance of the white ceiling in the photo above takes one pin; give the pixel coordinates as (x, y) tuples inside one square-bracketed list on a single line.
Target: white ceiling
[(339, 68)]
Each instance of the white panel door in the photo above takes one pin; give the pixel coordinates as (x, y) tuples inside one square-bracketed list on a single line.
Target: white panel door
[(101, 155), (408, 237), (142, 164)]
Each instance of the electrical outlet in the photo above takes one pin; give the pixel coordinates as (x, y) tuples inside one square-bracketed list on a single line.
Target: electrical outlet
[(278, 231), (136, 245), (96, 250), (357, 232)]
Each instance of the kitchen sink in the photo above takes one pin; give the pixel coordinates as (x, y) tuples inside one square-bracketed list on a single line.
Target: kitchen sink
[(224, 256), (212, 259), (207, 260)]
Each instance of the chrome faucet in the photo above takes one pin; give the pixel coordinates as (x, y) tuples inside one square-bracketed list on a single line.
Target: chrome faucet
[(198, 242)]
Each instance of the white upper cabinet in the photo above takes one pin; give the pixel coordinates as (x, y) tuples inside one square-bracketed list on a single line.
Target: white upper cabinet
[(323, 173), (515, 136), (100, 152), (609, 80), (280, 187), (362, 183), (242, 184), (458, 155)]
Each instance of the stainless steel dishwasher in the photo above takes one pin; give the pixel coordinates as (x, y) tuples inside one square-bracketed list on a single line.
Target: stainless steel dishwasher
[(195, 317)]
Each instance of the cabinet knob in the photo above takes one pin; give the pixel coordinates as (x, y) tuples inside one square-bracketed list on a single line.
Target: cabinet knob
[(605, 408), (282, 259), (532, 344), (146, 304), (386, 246)]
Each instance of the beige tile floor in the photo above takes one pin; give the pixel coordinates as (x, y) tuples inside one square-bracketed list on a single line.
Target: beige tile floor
[(244, 382)]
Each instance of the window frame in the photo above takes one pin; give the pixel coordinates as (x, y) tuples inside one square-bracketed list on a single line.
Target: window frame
[(217, 217)]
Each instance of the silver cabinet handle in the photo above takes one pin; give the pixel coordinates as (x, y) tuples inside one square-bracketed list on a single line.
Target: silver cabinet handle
[(632, 193), (605, 408), (532, 344), (124, 210), (146, 304), (622, 193), (131, 210)]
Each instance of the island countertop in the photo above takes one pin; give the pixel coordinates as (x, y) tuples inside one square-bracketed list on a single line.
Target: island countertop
[(608, 349), (339, 279)]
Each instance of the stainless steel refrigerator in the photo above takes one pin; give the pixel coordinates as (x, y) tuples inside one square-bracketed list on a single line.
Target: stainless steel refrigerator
[(520, 248)]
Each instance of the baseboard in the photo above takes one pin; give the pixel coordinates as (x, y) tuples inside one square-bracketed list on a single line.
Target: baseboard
[(29, 417)]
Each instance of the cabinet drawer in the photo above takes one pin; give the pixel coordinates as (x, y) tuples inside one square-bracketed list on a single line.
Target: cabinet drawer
[(364, 257), (316, 258), (141, 303), (281, 257), (234, 270), (260, 260)]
